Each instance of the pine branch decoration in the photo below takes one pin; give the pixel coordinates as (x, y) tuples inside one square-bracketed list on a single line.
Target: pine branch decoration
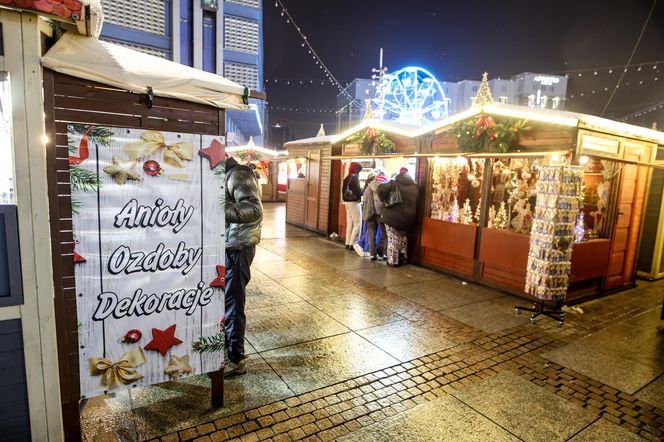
[(210, 344), (98, 135), (83, 179)]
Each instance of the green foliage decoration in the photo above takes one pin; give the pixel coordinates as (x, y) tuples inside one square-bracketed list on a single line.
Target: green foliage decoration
[(487, 134), (372, 142)]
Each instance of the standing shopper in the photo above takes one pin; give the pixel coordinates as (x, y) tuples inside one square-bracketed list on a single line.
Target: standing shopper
[(244, 214), (372, 208), (399, 198), (351, 193)]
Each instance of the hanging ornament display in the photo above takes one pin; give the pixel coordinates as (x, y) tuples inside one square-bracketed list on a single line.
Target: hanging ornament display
[(132, 336), (553, 231), (454, 212), (500, 219), (152, 168), (478, 211), (580, 228), (467, 212)]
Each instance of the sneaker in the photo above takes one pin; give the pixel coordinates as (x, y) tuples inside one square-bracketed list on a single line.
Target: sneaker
[(232, 369), (373, 258), (359, 250)]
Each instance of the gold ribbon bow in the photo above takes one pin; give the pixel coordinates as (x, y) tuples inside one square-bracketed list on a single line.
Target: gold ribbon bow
[(153, 141), (122, 371)]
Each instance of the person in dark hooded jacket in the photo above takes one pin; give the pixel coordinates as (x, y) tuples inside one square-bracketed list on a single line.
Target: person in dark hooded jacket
[(351, 192), (398, 218), (244, 214)]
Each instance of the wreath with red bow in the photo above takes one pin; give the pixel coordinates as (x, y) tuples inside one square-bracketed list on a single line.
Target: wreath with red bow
[(487, 134)]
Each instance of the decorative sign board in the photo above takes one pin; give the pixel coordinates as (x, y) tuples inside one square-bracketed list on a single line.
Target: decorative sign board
[(148, 224)]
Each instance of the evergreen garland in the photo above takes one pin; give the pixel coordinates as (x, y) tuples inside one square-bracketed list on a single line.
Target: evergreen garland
[(83, 179), (210, 344), (372, 142), (488, 135)]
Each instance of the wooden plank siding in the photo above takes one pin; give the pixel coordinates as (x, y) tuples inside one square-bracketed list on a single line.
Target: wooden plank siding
[(71, 100), (325, 190)]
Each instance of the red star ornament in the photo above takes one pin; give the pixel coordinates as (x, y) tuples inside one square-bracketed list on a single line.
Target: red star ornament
[(215, 153), (220, 280), (163, 340), (78, 258)]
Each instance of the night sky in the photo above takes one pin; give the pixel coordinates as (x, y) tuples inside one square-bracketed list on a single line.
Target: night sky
[(460, 40)]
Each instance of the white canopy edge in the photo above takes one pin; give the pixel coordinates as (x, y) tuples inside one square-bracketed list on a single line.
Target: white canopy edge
[(125, 68)]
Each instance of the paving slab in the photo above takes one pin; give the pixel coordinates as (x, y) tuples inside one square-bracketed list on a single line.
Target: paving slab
[(653, 393), (381, 275), (407, 340), (486, 316), (524, 409), (281, 269), (605, 431), (443, 293), (316, 364), (312, 287), (444, 419), (288, 324), (268, 295), (264, 255), (354, 311)]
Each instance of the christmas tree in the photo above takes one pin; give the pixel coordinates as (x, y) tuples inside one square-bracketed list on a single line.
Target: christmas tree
[(467, 217), (483, 97), (500, 220)]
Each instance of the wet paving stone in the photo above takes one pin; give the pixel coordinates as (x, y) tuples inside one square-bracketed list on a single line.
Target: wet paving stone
[(281, 269), (311, 287), (354, 311), (319, 363), (406, 340), (653, 393), (268, 295), (524, 409), (486, 316), (605, 431), (297, 322), (445, 419)]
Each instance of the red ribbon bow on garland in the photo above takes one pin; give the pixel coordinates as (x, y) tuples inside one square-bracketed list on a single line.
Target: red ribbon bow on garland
[(485, 124)]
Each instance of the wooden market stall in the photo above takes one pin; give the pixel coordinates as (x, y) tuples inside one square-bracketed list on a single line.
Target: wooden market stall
[(268, 164), (480, 202), (650, 263), (311, 176)]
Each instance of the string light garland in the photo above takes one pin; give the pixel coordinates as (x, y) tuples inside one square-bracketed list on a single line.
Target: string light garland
[(642, 112), (314, 55), (301, 109)]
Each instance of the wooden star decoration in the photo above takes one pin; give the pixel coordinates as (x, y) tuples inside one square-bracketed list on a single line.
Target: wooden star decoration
[(178, 366), (215, 153), (122, 170), (220, 280), (163, 340)]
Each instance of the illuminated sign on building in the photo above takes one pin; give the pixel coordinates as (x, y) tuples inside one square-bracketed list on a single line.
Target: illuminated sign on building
[(547, 81)]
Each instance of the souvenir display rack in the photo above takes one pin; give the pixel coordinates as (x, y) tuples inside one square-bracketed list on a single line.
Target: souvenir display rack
[(552, 237)]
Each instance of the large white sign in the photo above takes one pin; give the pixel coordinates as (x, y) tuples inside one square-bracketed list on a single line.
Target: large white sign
[(148, 226)]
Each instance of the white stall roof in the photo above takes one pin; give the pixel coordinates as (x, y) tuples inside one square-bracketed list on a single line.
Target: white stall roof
[(124, 68)]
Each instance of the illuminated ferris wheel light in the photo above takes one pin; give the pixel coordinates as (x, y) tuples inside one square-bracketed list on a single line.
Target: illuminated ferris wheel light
[(411, 95)]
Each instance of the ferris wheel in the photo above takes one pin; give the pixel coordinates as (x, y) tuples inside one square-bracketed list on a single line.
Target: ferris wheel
[(411, 95)]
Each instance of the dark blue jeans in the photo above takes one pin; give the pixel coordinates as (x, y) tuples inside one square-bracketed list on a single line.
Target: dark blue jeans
[(238, 274)]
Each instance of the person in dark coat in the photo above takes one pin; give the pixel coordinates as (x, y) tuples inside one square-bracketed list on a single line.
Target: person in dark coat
[(351, 193), (244, 214), (398, 218), (372, 208)]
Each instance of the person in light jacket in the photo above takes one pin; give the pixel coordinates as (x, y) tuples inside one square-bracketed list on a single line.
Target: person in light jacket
[(351, 193), (244, 214), (399, 218), (372, 209)]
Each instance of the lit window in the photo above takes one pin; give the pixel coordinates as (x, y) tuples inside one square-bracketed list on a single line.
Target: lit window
[(544, 101), (531, 100), (502, 99), (555, 103)]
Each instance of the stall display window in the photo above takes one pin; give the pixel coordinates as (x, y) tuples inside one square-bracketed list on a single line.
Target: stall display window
[(390, 166), (456, 189), (282, 177), (297, 168), (513, 195), (598, 178), (6, 156), (262, 170)]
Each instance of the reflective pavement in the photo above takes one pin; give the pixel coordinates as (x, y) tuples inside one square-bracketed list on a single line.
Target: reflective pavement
[(345, 348)]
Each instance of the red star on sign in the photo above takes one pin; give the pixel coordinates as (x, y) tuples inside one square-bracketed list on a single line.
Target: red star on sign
[(214, 153), (78, 258), (162, 340), (220, 280)]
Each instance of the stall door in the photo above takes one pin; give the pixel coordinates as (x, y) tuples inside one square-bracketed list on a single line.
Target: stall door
[(631, 197), (313, 184)]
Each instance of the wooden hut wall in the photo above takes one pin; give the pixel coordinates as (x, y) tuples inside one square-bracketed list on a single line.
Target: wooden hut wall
[(72, 100), (325, 190), (295, 202), (650, 261)]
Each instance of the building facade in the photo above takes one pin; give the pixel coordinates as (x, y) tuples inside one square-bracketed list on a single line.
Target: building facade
[(221, 37), (524, 89)]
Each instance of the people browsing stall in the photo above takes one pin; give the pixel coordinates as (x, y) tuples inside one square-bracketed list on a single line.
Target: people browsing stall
[(244, 214), (372, 209), (399, 198), (352, 197)]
